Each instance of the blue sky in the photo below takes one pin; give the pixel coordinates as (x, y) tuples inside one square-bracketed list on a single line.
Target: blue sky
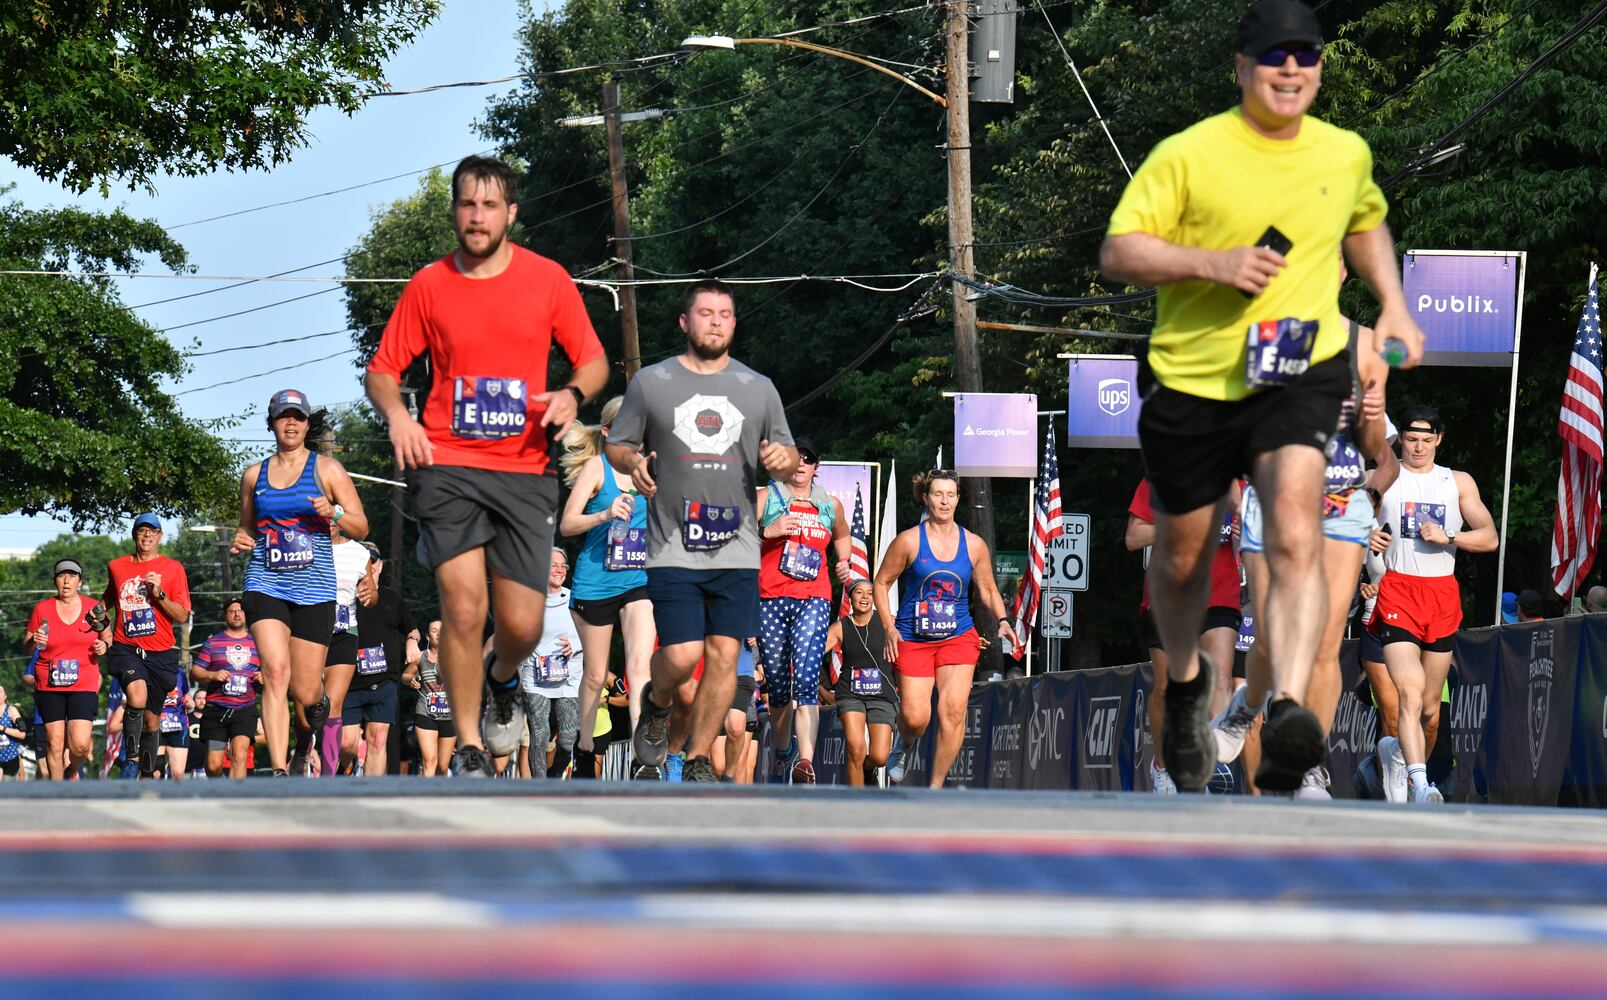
[(391, 135)]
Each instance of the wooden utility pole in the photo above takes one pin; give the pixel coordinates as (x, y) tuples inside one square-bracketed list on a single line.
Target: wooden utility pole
[(629, 342), (967, 363)]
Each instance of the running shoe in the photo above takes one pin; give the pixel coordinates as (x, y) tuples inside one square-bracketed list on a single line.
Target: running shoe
[(301, 763), (647, 772), (1187, 740), (318, 714), (651, 742), (1314, 785), (781, 767), (803, 772), (1222, 782), (1432, 796), (1233, 725), (503, 722), (699, 769), (674, 765), (1291, 744), (471, 762), (280, 772), (1392, 768), (1162, 781), (900, 759), (584, 765)]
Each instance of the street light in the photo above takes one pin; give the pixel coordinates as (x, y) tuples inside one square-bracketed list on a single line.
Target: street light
[(702, 43)]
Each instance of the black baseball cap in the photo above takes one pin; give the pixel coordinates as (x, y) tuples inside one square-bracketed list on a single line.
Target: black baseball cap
[(1421, 414), (1532, 604), (807, 450), (1271, 23)]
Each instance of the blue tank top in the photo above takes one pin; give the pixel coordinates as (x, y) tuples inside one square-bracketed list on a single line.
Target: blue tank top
[(593, 580), (935, 594), (293, 559)]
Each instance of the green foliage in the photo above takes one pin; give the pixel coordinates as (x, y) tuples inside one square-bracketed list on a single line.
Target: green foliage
[(85, 431), (128, 89)]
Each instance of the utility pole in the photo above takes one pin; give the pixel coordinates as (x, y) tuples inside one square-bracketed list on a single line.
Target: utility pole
[(629, 342), (393, 555), (967, 363)]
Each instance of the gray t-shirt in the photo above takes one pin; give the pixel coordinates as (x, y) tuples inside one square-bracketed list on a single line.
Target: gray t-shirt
[(706, 430)]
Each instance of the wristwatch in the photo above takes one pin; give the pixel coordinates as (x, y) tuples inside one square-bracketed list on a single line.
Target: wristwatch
[(580, 397), (339, 513)]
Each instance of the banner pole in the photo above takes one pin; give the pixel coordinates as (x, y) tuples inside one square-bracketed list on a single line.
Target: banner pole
[(1512, 409), (1032, 512)]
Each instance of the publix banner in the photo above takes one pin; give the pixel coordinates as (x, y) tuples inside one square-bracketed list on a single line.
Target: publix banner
[(1467, 303), (1102, 401), (996, 434)]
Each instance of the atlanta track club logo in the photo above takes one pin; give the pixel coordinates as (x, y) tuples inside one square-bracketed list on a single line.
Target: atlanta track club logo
[(708, 425)]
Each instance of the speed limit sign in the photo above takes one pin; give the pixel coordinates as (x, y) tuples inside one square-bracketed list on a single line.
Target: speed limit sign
[(1065, 565)]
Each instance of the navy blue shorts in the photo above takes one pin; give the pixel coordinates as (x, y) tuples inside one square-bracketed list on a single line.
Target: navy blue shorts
[(376, 705), (690, 605), (1372, 651)]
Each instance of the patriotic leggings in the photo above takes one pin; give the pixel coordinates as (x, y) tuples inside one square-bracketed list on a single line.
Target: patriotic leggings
[(792, 640)]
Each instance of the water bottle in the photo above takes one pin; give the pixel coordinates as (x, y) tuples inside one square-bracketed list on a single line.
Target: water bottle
[(44, 634), (1394, 352)]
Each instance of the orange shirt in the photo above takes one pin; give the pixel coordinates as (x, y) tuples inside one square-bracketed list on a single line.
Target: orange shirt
[(489, 341)]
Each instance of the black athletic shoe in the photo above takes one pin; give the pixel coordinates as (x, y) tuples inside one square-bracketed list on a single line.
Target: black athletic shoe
[(650, 744), (280, 772), (647, 772), (1291, 744), (318, 714), (585, 766), (471, 762), (699, 769), (1186, 737)]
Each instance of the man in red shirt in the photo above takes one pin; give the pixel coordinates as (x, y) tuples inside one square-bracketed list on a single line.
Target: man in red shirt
[(479, 468), (149, 593), (1217, 635)]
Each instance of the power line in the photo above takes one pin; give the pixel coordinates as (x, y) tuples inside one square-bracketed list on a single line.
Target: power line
[(271, 371), (621, 65), (242, 312)]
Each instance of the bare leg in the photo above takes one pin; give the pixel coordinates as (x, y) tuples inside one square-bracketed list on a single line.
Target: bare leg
[(640, 631), (857, 743), (273, 650), (595, 642), (953, 698), (1179, 583), (1288, 483), (1156, 708), (714, 693)]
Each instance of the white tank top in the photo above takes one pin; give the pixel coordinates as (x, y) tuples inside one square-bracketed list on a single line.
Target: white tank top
[(1415, 497)]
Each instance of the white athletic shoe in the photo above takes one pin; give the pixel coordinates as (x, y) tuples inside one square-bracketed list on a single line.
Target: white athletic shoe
[(1431, 797), (1314, 785), (1163, 781), (1392, 768), (1232, 726)]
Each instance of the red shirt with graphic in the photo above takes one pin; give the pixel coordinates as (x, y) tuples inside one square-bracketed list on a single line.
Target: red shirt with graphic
[(68, 661), (139, 621)]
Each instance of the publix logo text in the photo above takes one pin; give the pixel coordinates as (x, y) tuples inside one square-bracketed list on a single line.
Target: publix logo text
[(1456, 304)]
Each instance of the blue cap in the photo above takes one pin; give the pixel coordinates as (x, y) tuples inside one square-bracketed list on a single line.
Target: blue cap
[(147, 521), (288, 399), (1509, 607)]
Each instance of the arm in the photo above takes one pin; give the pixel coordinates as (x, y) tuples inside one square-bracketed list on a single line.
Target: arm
[(340, 488), (413, 652), (245, 534), (630, 460), (834, 636), (898, 558), (562, 406), (575, 521), (1143, 259), (841, 542), (412, 444), (1140, 534), (1480, 534), (1372, 256)]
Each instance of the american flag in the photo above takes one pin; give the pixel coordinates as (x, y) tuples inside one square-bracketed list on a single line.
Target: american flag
[(1047, 526), (1578, 522), (858, 568)]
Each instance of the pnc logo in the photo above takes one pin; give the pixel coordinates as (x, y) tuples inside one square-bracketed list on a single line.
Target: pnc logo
[(1115, 395)]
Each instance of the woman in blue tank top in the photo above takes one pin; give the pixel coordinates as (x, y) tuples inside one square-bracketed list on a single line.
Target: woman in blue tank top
[(287, 503), (932, 638), (610, 580)]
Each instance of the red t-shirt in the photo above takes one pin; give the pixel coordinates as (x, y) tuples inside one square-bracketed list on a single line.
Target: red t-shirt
[(67, 655), (488, 340), (139, 621), (815, 537), (1224, 568)]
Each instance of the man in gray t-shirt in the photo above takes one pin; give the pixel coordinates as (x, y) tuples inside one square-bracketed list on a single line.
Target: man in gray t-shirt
[(692, 434)]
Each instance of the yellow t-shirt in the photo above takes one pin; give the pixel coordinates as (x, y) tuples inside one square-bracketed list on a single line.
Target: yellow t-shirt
[(1218, 185)]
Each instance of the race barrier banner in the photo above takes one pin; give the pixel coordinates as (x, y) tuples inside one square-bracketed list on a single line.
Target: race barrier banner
[(1526, 721), (1102, 401)]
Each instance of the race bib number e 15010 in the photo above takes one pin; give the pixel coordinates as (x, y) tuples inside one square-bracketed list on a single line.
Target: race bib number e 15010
[(489, 407)]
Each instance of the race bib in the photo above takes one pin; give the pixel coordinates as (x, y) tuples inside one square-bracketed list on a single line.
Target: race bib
[(63, 673), (551, 669), (1414, 515), (436, 705), (1346, 470), (345, 618), (799, 561), (172, 718), (1227, 527), (1278, 351), (706, 527), (237, 686), (489, 407), (288, 549), (627, 547), (865, 681), (1246, 634), (371, 661), (936, 619), (140, 622)]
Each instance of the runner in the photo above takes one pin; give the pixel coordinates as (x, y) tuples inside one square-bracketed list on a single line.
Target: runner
[(1236, 221), (288, 503), (387, 643), (610, 585), (479, 471), (432, 718), (933, 639), (340, 663), (150, 592), (228, 664), (12, 736), (1433, 512), (64, 630), (174, 726), (799, 520), (692, 433), (1217, 636), (1348, 519), (549, 680), (866, 688)]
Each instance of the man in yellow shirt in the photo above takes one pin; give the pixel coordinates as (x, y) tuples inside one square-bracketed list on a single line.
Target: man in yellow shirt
[(1236, 221)]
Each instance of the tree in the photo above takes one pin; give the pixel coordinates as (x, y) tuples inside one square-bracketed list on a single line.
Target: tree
[(85, 431), (124, 90)]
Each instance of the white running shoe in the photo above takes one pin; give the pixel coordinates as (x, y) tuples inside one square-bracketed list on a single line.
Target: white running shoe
[(1314, 785), (1392, 768), (1431, 797), (1163, 781), (1233, 725)]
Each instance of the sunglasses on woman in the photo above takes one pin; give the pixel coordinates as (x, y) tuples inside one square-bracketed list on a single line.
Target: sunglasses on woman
[(1305, 57)]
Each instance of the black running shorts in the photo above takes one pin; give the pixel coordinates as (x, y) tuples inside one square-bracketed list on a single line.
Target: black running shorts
[(1195, 447), (510, 514)]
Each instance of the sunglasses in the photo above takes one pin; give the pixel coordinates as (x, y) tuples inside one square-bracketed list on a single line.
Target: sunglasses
[(808, 459), (1305, 58), (941, 474)]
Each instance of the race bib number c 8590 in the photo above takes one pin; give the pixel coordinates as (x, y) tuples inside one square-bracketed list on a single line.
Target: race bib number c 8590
[(485, 407), (63, 673)]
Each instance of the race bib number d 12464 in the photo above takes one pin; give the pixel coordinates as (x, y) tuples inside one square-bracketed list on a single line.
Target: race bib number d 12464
[(706, 527)]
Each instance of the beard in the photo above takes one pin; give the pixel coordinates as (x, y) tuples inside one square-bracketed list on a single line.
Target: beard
[(497, 239), (706, 353)]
